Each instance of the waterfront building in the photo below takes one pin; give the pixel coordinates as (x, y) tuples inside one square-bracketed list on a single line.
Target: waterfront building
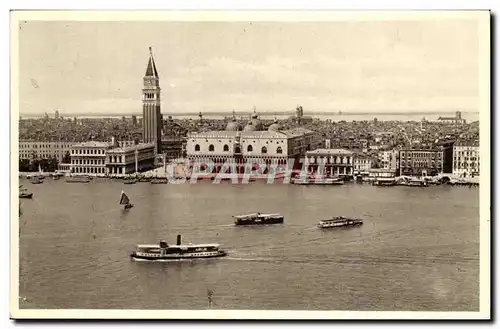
[(362, 164), (337, 162), (31, 150), (130, 159), (151, 114), (466, 159), (420, 162), (115, 157), (274, 146), (389, 159), (89, 157)]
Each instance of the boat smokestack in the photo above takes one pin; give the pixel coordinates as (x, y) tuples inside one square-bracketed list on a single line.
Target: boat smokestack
[(178, 239)]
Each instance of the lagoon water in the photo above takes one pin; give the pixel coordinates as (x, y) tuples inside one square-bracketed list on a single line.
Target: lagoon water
[(418, 249)]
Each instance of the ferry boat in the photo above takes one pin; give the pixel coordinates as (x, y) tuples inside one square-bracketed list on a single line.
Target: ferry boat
[(77, 179), (164, 252), (340, 221), (258, 219)]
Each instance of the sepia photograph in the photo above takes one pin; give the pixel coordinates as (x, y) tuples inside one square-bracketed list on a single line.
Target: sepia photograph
[(250, 165)]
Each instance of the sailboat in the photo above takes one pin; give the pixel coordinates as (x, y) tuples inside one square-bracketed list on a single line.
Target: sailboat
[(125, 201)]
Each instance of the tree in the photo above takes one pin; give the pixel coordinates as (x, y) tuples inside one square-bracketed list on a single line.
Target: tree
[(66, 158), (24, 165)]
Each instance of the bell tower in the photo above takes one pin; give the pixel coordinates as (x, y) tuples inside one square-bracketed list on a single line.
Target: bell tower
[(151, 104)]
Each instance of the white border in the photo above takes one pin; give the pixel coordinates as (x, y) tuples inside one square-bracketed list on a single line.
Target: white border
[(133, 314)]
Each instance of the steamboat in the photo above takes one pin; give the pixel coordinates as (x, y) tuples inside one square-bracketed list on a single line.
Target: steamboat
[(164, 252), (340, 221), (258, 219)]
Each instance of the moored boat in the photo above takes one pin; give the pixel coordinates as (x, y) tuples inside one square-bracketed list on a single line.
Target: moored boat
[(24, 194), (384, 181), (300, 181), (36, 180), (164, 252), (77, 179), (159, 181), (327, 181), (129, 181), (339, 221), (258, 219)]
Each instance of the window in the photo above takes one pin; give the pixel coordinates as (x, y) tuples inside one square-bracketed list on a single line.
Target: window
[(211, 148), (226, 148), (249, 148), (263, 150), (197, 148), (279, 150)]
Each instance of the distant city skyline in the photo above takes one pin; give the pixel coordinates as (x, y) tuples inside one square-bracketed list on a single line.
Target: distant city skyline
[(424, 66)]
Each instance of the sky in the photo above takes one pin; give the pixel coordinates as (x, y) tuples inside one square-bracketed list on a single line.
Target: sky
[(368, 66)]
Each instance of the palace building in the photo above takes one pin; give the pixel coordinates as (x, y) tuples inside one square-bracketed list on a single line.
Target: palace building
[(241, 144)]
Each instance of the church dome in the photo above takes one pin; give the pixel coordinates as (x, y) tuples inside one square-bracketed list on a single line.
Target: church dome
[(233, 125), (275, 126), (249, 127), (256, 122)]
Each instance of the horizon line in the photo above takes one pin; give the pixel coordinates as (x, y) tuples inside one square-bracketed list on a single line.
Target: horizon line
[(230, 113)]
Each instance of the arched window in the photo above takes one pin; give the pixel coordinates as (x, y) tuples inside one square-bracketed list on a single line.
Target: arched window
[(226, 148), (211, 148), (237, 149), (263, 150), (197, 148), (249, 148), (279, 150)]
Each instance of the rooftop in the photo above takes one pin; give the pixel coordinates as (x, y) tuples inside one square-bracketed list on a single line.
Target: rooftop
[(250, 134), (330, 152), (92, 144), (125, 149)]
